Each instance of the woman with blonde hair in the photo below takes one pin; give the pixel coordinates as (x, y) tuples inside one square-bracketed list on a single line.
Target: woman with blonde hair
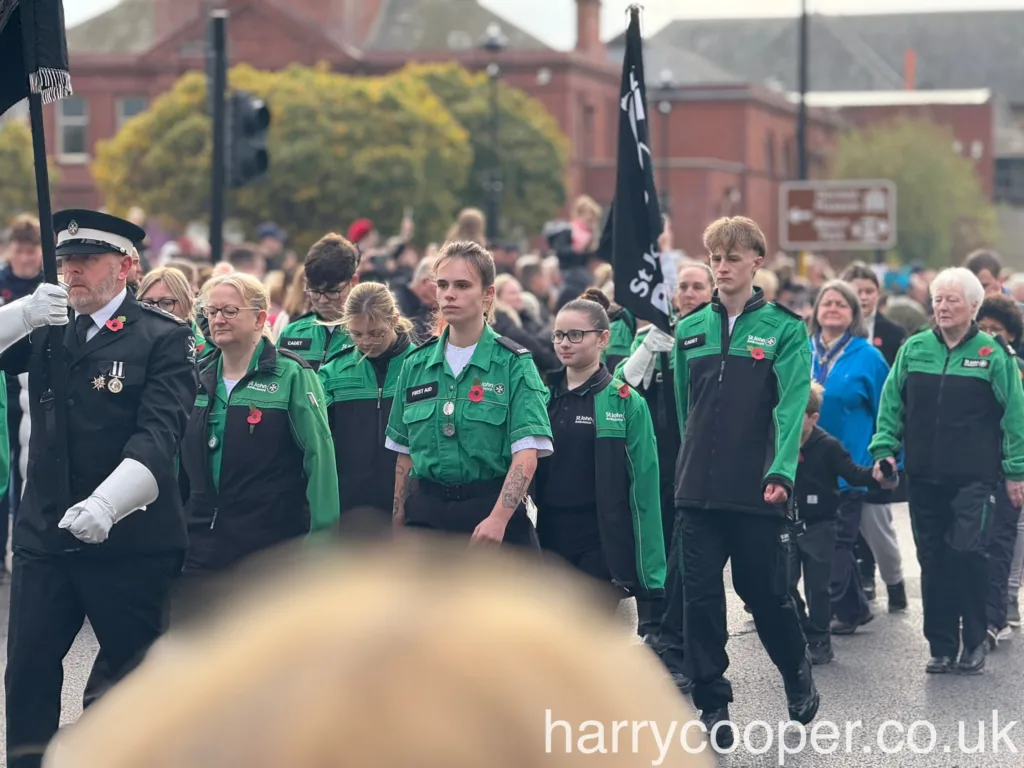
[(168, 289), (470, 226), (360, 383), (296, 303), (257, 450), (281, 677)]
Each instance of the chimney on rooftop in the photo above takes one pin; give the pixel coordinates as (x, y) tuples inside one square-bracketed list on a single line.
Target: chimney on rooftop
[(588, 28), (910, 69)]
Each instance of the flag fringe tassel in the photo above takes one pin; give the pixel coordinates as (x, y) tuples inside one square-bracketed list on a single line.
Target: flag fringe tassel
[(50, 84)]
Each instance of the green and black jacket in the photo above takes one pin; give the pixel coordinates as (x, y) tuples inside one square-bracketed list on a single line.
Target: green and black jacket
[(959, 413), (359, 394), (627, 492), (260, 463), (740, 400), (623, 329), (311, 341)]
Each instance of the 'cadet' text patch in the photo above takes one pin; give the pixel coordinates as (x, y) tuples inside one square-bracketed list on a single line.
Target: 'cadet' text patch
[(421, 392), (692, 341), (296, 343)]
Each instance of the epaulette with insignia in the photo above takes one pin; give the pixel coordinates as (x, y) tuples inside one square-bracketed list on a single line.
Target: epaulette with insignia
[(162, 312), (512, 346), (1005, 345), (787, 310)]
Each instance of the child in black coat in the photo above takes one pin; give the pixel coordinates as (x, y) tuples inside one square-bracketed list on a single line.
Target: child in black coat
[(823, 460)]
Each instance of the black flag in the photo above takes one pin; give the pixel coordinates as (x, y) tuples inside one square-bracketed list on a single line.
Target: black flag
[(635, 219), (33, 51)]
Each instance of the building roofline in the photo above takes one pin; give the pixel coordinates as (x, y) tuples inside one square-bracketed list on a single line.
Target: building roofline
[(845, 99), (510, 60)]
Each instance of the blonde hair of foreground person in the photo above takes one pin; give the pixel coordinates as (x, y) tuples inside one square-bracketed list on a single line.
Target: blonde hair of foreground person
[(402, 659)]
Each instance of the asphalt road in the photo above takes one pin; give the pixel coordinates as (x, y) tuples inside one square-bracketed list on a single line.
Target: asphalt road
[(878, 676)]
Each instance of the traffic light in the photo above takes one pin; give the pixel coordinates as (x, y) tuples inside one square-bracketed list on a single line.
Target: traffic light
[(248, 124)]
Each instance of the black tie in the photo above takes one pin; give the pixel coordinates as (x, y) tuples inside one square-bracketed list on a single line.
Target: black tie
[(82, 325)]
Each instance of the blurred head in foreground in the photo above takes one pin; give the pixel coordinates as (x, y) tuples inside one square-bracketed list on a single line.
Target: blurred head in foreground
[(405, 658)]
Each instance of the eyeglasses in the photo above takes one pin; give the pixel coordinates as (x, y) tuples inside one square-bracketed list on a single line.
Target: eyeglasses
[(229, 312), (167, 305), (575, 337), (334, 294)]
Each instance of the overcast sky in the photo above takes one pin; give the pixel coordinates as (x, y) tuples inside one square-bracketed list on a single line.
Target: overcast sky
[(554, 21)]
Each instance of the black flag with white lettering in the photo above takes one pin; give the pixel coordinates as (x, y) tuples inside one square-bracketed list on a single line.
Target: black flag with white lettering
[(635, 218), (33, 51)]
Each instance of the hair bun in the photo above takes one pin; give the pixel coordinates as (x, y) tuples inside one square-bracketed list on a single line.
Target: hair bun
[(597, 296)]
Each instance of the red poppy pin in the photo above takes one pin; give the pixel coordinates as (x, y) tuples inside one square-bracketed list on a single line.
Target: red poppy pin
[(115, 324), (878, 341), (757, 353), (476, 392), (985, 351), (6, 294), (624, 391), (801, 457), (255, 417)]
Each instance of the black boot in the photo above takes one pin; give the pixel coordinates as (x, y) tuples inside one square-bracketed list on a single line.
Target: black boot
[(940, 665), (972, 661), (725, 736), (820, 653), (801, 695), (897, 598)]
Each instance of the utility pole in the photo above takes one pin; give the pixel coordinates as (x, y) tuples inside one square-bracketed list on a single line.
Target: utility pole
[(218, 85)]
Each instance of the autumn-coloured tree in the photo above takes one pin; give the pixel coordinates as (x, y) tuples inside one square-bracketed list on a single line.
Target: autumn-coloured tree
[(17, 174), (942, 212)]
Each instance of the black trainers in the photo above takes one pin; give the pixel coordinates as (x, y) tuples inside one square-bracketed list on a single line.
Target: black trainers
[(801, 694), (940, 665), (897, 598), (820, 653), (849, 627), (972, 662), (723, 736)]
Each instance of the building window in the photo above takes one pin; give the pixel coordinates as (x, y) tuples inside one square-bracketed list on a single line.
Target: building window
[(72, 124), (130, 106), (1009, 186)]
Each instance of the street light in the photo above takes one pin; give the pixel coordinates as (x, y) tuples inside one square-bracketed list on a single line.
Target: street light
[(494, 42), (665, 108)]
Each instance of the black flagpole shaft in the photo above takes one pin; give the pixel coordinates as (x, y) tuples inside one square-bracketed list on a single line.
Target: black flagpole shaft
[(218, 22), (801, 127), (55, 396)]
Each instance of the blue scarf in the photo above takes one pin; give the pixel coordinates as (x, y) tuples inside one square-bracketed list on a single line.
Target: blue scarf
[(822, 358)]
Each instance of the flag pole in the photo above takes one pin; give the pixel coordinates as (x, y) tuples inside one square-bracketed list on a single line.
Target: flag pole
[(54, 398)]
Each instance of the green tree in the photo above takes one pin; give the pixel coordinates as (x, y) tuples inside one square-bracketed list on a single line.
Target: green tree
[(942, 212), (531, 146), (340, 148), (18, 188)]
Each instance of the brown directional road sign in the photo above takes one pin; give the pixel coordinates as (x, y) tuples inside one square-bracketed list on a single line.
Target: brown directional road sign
[(837, 215)]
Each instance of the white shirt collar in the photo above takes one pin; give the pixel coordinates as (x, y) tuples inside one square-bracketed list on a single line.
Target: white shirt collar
[(100, 316)]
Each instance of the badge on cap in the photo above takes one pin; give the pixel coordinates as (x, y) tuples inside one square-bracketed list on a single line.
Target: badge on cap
[(73, 227), (448, 429), (449, 408)]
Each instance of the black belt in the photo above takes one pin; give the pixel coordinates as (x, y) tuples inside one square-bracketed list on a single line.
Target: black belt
[(462, 492)]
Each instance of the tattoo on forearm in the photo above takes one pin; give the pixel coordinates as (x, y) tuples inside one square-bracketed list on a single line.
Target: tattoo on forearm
[(400, 481), (515, 487)]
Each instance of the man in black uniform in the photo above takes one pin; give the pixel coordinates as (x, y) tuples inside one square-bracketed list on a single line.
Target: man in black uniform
[(111, 552)]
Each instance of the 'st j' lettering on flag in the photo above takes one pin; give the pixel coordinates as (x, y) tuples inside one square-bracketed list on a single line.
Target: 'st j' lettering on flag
[(635, 219)]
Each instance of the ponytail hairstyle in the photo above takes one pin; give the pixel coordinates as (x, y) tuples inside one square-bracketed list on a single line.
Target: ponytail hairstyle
[(594, 304), (376, 303), (480, 259)]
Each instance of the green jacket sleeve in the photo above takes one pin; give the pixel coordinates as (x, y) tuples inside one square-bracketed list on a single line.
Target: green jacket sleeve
[(311, 431), (1009, 392), (682, 382), (396, 429), (793, 382), (644, 494), (527, 408), (889, 422)]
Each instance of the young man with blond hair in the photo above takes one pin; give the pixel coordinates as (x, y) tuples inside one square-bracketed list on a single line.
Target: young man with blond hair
[(742, 381)]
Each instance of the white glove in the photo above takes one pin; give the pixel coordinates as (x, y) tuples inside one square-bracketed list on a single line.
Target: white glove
[(130, 487), (659, 341), (48, 305), (639, 367)]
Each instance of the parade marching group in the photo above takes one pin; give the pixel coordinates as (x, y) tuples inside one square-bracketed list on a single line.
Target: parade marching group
[(197, 438)]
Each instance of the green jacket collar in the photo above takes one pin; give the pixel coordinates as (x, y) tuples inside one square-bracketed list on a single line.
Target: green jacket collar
[(754, 303), (972, 331), (481, 355), (264, 360)]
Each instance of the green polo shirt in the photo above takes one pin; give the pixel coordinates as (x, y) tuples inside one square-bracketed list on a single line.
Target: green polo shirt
[(312, 341), (496, 400)]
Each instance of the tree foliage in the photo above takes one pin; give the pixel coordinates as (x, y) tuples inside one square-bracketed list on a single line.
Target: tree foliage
[(942, 212), (531, 146), (341, 147), (17, 174)]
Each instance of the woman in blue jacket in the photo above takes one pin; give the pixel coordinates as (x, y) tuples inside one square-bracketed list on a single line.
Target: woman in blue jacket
[(852, 372)]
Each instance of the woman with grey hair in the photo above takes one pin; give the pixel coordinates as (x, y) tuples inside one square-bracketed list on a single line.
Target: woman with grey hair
[(955, 404), (852, 372)]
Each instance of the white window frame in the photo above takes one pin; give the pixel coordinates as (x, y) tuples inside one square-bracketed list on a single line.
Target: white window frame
[(119, 117), (63, 121)]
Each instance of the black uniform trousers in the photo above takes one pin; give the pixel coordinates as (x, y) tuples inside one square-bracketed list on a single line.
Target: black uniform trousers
[(950, 526), (758, 548), (811, 551), (125, 600), (849, 603), (459, 509), (1001, 540), (661, 621)]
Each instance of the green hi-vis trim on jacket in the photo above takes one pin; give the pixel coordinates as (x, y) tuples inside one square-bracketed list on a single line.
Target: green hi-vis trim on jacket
[(497, 399), (623, 329), (959, 413), (359, 396), (740, 400), (257, 459), (628, 490), (308, 338)]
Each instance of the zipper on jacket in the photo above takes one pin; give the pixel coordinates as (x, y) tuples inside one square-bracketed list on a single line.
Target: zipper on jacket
[(209, 471)]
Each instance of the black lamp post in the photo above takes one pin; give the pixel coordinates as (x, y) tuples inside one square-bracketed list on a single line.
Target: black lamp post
[(494, 42), (665, 108)]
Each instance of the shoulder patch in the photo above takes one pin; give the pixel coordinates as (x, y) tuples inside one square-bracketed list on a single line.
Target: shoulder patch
[(787, 310), (512, 346), (1005, 345), (162, 313), (292, 356)]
